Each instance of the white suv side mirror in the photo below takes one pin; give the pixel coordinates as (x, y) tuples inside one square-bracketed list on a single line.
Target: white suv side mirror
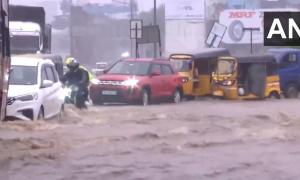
[(47, 83)]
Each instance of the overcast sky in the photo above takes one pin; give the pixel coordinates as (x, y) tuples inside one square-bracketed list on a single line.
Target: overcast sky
[(53, 8), (144, 5)]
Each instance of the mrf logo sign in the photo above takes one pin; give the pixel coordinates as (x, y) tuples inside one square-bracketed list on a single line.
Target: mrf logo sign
[(282, 28), (237, 14)]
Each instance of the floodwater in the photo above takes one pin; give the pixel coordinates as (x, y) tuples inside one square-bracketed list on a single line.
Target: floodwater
[(204, 139)]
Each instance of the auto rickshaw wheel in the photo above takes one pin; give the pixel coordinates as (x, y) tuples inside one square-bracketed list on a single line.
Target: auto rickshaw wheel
[(291, 92), (274, 95)]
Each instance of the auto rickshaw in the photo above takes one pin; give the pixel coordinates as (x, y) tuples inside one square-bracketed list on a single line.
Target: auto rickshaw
[(252, 77), (196, 69)]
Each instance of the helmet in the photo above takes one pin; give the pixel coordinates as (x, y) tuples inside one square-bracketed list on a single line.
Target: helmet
[(72, 64)]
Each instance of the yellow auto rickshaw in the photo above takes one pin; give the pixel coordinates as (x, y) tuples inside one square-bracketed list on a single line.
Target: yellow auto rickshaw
[(196, 70), (252, 77)]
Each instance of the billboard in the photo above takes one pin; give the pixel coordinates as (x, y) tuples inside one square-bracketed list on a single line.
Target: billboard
[(82, 2), (239, 20), (185, 10)]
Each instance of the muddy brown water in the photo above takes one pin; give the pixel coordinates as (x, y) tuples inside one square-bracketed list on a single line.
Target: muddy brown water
[(211, 139)]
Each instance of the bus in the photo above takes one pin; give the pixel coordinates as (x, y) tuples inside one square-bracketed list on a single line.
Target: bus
[(5, 56)]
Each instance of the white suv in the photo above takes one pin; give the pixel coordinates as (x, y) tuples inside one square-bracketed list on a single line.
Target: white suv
[(34, 89)]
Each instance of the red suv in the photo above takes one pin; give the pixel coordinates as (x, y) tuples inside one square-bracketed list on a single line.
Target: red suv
[(137, 80)]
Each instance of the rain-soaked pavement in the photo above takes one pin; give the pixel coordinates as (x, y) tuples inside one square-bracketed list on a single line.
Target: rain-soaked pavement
[(204, 139)]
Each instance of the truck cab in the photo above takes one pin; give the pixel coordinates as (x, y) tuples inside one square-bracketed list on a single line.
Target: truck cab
[(25, 37), (29, 32), (288, 60)]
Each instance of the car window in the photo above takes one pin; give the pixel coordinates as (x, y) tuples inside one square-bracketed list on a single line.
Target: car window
[(50, 73), (289, 60), (23, 75), (155, 68), (130, 68), (182, 65), (166, 70), (44, 74), (55, 74)]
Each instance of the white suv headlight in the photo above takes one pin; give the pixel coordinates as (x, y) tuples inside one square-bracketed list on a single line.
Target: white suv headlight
[(28, 97), (25, 98)]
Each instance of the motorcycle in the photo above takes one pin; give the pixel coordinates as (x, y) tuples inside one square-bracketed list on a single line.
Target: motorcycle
[(73, 95)]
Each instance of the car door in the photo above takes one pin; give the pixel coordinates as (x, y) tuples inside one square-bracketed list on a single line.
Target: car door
[(44, 93), (53, 91), (169, 80), (57, 90), (288, 69), (156, 81)]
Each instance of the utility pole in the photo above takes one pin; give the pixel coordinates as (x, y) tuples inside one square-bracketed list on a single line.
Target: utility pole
[(251, 37), (131, 17), (155, 23), (71, 27)]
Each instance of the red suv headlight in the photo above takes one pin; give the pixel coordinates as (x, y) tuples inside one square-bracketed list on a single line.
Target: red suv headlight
[(130, 82)]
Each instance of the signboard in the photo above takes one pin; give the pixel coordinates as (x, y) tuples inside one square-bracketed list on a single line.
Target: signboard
[(238, 20), (150, 35), (216, 35), (136, 26), (185, 10), (281, 28)]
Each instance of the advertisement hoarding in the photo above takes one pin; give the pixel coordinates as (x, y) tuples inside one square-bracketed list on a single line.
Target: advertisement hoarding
[(239, 20), (185, 10)]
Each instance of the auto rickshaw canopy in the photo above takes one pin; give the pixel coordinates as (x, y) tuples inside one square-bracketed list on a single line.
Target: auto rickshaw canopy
[(256, 59), (203, 54)]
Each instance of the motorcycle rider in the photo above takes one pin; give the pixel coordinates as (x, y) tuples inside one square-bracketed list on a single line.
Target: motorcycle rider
[(77, 76)]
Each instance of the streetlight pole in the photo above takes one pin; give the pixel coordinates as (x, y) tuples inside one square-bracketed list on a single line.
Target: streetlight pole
[(155, 23)]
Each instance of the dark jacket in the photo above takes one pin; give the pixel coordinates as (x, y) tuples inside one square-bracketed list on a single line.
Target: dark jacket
[(78, 77)]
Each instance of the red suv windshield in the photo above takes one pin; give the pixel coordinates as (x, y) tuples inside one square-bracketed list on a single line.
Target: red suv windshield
[(130, 68)]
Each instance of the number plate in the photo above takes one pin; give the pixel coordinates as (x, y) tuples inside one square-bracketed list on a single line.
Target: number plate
[(111, 93)]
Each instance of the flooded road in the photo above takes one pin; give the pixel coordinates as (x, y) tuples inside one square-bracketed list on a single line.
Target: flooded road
[(204, 139)]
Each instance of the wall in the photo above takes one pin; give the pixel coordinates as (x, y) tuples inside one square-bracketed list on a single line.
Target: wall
[(184, 36)]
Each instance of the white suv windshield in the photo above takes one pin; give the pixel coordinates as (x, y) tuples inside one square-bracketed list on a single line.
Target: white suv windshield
[(23, 75)]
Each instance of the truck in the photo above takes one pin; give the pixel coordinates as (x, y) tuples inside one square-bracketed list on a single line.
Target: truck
[(288, 60), (4, 56), (30, 35), (29, 32)]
